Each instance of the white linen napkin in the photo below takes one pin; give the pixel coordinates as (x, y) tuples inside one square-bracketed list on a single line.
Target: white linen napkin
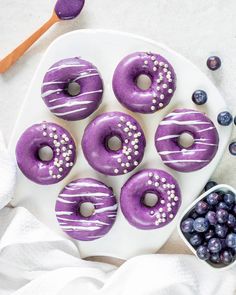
[(35, 260)]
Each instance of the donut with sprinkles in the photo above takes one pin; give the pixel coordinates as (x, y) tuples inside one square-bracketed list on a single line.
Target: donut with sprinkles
[(42, 135), (55, 89), (203, 148), (68, 204), (159, 183), (161, 74), (96, 149)]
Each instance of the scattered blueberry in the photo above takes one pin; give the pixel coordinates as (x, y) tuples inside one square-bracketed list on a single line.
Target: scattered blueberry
[(203, 252), (213, 198), (201, 207), (199, 97), (231, 220), (234, 210), (195, 240), (214, 245), (222, 215), (211, 217), (215, 258), (225, 118), (201, 224), (235, 120), (213, 63), (187, 225), (232, 148), (231, 240), (229, 198), (226, 257), (221, 230), (209, 234), (210, 184)]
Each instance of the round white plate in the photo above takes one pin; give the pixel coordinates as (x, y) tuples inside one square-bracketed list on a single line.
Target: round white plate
[(105, 49)]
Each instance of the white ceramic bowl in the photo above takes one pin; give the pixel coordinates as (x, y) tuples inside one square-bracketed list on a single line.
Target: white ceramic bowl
[(219, 187)]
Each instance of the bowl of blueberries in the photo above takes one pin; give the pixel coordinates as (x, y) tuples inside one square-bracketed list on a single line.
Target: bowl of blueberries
[(208, 226)]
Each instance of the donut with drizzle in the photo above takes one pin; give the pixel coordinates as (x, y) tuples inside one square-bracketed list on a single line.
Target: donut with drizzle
[(163, 82), (96, 149), (73, 222), (205, 140), (55, 85), (158, 182), (45, 135)]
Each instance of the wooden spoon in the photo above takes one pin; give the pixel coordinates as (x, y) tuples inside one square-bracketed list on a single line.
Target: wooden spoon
[(64, 10)]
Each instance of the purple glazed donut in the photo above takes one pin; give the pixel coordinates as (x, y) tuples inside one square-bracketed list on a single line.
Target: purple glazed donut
[(163, 82), (95, 143), (68, 209), (205, 140), (157, 182), (55, 89), (63, 149)]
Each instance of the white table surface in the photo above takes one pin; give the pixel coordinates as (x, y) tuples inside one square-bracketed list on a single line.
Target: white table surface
[(196, 29)]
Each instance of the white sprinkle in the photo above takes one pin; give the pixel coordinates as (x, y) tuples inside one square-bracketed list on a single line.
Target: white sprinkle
[(119, 125), (126, 141), (156, 176), (58, 176), (173, 203), (126, 129), (135, 163), (122, 119), (150, 174), (127, 165), (156, 184), (119, 160), (44, 127), (136, 147), (54, 176), (154, 95), (55, 136), (125, 171), (153, 58), (129, 157), (149, 182), (160, 105), (170, 90), (116, 171), (160, 210), (162, 96), (54, 129), (155, 62), (176, 198), (154, 69), (158, 88), (44, 133), (153, 108), (163, 179), (162, 202), (50, 135), (70, 146), (50, 172), (60, 169), (171, 216), (136, 153), (154, 101), (146, 62), (67, 159), (130, 133)]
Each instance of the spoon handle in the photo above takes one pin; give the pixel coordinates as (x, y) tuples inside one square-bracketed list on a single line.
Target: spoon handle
[(12, 57)]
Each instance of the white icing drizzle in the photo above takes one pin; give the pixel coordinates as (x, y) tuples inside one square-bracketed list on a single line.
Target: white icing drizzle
[(190, 122), (69, 104)]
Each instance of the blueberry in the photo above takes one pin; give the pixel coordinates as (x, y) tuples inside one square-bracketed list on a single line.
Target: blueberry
[(210, 184), (203, 252), (213, 198), (232, 148), (221, 230), (214, 245), (199, 97), (193, 214), (222, 215), (201, 207), (215, 258), (235, 120), (225, 118), (201, 224), (229, 198), (223, 243), (209, 234), (223, 205), (213, 63), (234, 210), (226, 257), (195, 240), (231, 240), (231, 220), (211, 217), (187, 225)]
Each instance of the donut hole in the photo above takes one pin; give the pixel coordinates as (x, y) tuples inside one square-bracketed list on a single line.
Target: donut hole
[(86, 209), (143, 82), (73, 89), (114, 143), (45, 153), (150, 200), (186, 140)]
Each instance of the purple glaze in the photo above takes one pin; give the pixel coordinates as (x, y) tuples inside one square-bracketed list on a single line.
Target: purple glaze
[(68, 204), (153, 181), (200, 153), (68, 9), (100, 130), (55, 84), (162, 87), (38, 136)]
